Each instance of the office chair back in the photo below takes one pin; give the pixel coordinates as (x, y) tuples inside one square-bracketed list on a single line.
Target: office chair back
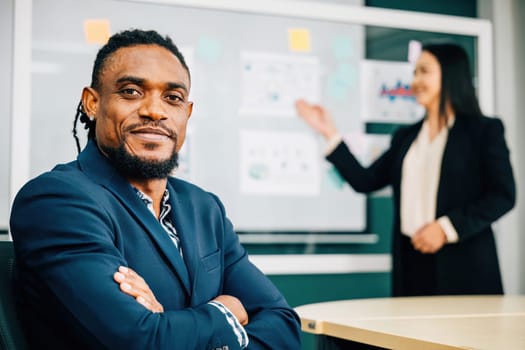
[(11, 336)]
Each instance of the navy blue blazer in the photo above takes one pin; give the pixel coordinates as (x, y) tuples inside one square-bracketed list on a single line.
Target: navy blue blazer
[(476, 188), (75, 225)]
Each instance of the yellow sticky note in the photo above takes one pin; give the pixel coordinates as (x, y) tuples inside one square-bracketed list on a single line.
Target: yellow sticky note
[(96, 31), (299, 40)]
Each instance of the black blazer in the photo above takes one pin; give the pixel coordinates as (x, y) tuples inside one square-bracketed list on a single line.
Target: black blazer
[(476, 187)]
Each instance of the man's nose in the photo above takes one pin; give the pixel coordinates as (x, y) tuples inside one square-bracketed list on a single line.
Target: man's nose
[(153, 108)]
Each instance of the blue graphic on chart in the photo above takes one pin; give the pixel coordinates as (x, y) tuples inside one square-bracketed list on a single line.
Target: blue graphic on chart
[(386, 93), (279, 163), (271, 83)]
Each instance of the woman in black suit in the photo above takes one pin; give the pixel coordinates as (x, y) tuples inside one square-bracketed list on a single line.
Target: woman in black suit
[(451, 178)]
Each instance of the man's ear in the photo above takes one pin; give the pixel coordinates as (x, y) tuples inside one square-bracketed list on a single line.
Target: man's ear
[(90, 100), (190, 109)]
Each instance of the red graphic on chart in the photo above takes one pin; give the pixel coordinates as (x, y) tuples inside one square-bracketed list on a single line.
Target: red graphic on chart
[(400, 90)]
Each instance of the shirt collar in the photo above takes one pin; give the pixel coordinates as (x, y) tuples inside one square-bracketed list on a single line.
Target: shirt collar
[(149, 202)]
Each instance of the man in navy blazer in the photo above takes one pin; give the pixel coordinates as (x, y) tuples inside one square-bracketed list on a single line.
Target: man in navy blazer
[(113, 253)]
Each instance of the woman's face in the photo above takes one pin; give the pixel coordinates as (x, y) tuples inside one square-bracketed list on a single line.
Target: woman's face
[(426, 85)]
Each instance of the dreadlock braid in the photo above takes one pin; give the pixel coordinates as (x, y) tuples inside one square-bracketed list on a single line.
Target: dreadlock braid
[(89, 124)]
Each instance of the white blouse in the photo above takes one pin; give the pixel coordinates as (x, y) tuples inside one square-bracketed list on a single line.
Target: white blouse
[(420, 182)]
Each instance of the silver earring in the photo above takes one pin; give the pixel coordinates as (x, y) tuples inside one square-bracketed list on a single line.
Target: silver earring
[(91, 118)]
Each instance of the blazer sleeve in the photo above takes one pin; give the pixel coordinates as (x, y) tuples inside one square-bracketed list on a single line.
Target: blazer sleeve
[(498, 189), (273, 324), (64, 238), (366, 179)]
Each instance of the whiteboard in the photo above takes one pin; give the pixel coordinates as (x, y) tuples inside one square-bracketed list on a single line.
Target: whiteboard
[(245, 142)]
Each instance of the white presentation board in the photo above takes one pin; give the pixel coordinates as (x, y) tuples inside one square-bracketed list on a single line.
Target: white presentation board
[(245, 142)]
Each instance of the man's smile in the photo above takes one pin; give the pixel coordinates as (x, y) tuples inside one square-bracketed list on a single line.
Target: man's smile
[(151, 134)]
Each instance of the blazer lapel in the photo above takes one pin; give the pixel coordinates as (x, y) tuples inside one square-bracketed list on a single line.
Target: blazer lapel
[(453, 147), (152, 227), (199, 245), (182, 217), (100, 170)]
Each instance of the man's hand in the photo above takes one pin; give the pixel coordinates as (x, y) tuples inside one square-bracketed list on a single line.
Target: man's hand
[(131, 283), (235, 306), (429, 239)]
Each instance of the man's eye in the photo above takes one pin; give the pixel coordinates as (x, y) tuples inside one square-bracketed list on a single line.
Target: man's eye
[(174, 98), (129, 92)]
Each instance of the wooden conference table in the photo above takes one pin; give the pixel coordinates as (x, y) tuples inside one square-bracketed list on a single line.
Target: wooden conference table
[(449, 322)]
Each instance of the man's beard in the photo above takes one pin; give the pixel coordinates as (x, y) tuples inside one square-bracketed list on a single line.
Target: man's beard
[(133, 167)]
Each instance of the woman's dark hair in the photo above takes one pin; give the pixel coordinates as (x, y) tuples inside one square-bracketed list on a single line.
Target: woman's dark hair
[(125, 38), (456, 79)]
